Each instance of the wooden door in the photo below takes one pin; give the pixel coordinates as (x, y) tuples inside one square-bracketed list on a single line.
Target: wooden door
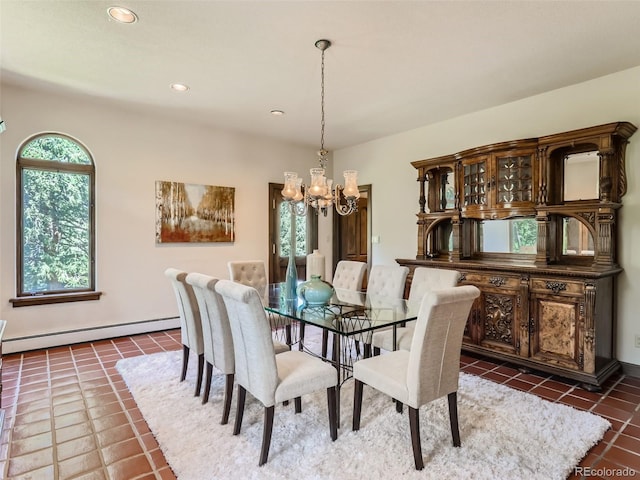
[(352, 233)]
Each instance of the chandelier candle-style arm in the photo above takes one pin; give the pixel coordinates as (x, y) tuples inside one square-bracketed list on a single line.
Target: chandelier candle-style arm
[(321, 193)]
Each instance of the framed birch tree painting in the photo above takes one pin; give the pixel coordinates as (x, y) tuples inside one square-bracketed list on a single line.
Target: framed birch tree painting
[(188, 212)]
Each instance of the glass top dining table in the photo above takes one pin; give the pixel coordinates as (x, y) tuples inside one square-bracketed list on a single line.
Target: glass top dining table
[(347, 313), (350, 316)]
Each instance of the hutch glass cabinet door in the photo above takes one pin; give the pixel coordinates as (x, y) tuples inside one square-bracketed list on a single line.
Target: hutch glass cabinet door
[(514, 180), (475, 186)]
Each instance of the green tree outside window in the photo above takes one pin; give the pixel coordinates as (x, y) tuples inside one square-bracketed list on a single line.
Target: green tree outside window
[(56, 177)]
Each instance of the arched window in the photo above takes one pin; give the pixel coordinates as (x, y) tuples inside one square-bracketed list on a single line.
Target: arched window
[(55, 214)]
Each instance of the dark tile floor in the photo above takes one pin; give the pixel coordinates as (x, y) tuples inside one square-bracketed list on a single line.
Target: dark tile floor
[(69, 414)]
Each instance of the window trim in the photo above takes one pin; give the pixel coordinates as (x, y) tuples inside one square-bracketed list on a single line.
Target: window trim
[(75, 295)]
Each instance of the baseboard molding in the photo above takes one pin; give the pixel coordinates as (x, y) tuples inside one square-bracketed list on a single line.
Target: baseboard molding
[(631, 369), (36, 342)]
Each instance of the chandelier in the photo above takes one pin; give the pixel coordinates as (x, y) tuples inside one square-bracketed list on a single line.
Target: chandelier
[(321, 193)]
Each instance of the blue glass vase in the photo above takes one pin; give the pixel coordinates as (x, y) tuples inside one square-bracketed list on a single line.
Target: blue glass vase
[(291, 279)]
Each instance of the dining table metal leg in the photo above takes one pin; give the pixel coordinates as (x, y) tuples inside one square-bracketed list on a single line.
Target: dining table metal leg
[(335, 356)]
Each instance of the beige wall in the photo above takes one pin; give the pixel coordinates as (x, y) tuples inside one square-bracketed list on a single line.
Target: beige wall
[(131, 152), (385, 163)]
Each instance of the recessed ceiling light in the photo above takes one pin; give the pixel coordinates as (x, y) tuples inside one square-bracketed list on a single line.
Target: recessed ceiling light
[(180, 87), (277, 113), (122, 15)]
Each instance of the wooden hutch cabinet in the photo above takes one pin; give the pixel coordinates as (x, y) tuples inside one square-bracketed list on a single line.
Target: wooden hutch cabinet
[(533, 224)]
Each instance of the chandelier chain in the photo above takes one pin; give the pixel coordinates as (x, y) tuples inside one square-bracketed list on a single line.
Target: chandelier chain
[(322, 153), (322, 193)]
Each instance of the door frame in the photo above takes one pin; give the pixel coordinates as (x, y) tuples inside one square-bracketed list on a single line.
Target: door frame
[(275, 193)]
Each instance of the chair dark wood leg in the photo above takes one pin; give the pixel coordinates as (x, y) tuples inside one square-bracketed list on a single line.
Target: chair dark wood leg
[(357, 404), (185, 362), (414, 424), (398, 406), (301, 342), (228, 393), (367, 350), (453, 417), (207, 383), (287, 331), (333, 414), (200, 371), (242, 395), (266, 434), (325, 342), (298, 404), (376, 351)]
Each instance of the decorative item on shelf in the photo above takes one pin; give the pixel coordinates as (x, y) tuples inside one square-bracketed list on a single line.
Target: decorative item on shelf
[(315, 264), (321, 194), (315, 292)]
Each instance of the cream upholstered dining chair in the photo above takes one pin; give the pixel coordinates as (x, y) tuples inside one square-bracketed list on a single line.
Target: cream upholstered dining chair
[(424, 280), (429, 370), (190, 324), (249, 272), (270, 378), (385, 281), (349, 275), (218, 342), (216, 332), (253, 273)]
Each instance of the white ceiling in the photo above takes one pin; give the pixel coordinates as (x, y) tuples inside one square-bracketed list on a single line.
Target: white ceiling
[(393, 66)]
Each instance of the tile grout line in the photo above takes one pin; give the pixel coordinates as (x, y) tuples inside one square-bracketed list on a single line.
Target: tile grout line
[(54, 442), (12, 420)]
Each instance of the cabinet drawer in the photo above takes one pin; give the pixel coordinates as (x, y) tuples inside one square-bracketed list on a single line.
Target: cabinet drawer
[(557, 286), (490, 280)]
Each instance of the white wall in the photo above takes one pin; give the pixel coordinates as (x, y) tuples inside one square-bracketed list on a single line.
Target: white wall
[(132, 151), (385, 163)]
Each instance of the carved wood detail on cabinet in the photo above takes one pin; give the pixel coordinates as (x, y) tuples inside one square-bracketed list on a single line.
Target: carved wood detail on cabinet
[(548, 304)]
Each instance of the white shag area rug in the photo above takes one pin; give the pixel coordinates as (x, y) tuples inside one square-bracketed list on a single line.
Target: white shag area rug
[(505, 433)]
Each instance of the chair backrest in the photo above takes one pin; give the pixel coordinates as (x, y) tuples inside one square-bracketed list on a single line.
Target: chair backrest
[(216, 331), (349, 275), (434, 358), (252, 273), (427, 279), (190, 324), (387, 280), (255, 356)]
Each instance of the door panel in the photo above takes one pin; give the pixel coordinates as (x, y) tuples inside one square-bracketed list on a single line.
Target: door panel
[(353, 243), (352, 233)]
